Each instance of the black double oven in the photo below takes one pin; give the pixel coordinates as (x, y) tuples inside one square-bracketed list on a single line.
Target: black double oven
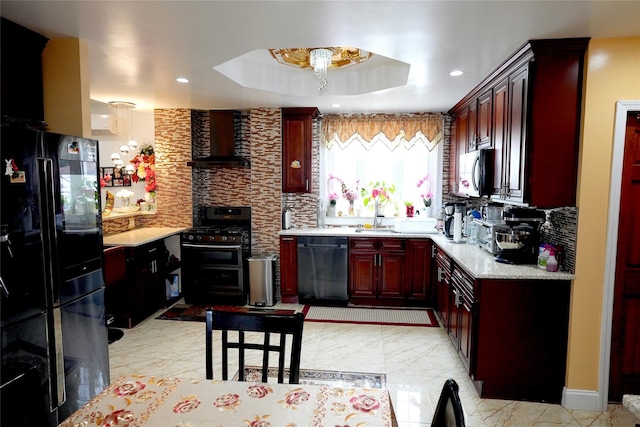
[(214, 255)]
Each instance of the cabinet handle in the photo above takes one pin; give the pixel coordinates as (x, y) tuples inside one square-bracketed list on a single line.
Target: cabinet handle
[(287, 239), (457, 298), (433, 251), (440, 275), (306, 185)]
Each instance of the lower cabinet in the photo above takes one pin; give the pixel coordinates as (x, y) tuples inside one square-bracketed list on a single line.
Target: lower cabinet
[(418, 290), (143, 290), (510, 334), (289, 269), (441, 281), (376, 271)]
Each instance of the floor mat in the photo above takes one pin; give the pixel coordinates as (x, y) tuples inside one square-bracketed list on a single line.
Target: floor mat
[(319, 377), (371, 315)]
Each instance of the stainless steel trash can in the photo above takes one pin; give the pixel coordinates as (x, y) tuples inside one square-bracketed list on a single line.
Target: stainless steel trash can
[(262, 280)]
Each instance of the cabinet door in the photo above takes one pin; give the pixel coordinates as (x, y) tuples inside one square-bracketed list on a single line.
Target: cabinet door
[(418, 284), (289, 268), (443, 284), (484, 120), (516, 155), (465, 323), (472, 139), (297, 141), (391, 275), (362, 273), (500, 109)]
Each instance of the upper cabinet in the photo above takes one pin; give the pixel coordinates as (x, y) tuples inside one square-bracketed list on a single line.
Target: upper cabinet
[(297, 144), (528, 110)]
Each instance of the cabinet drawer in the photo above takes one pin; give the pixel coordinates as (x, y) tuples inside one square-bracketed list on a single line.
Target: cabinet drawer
[(363, 244), (464, 282), (443, 260), (392, 245)]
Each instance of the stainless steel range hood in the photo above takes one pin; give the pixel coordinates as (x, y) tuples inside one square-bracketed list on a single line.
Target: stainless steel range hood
[(222, 136)]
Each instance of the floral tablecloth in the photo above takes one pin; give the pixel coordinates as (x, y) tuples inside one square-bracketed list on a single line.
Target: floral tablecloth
[(138, 400)]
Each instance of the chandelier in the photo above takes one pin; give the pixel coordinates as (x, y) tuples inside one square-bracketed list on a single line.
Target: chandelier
[(125, 119), (321, 59)]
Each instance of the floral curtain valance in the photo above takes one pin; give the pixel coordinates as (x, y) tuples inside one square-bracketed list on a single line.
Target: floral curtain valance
[(393, 130)]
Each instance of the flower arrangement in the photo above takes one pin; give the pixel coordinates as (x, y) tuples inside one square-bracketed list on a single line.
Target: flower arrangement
[(426, 194), (348, 193), (145, 168), (333, 199), (379, 190), (104, 180)]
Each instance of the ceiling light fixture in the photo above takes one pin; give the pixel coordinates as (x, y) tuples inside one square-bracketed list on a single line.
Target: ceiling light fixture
[(456, 73), (182, 80), (124, 114), (321, 59)]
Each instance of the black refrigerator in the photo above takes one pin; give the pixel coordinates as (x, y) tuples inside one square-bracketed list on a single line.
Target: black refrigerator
[(52, 288)]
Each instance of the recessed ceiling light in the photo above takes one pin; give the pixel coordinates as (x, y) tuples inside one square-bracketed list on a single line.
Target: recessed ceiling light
[(456, 73), (335, 105), (182, 80)]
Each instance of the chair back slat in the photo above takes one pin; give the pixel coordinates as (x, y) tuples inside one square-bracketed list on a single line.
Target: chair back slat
[(265, 323)]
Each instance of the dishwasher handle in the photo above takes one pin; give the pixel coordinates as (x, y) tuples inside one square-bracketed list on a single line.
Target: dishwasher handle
[(321, 245)]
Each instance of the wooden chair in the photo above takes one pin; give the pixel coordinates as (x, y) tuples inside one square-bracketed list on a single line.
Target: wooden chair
[(449, 411), (264, 322)]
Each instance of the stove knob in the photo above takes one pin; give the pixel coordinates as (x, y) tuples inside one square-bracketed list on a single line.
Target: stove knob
[(224, 238), (190, 237), (199, 238), (233, 238)]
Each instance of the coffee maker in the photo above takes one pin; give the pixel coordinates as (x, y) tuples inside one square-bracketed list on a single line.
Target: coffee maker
[(450, 209), (519, 243)]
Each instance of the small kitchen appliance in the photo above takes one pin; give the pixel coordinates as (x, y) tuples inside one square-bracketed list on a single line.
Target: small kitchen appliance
[(450, 210), (519, 244), (486, 234)]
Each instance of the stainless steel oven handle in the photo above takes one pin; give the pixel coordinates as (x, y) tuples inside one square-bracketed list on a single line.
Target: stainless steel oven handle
[(190, 245)]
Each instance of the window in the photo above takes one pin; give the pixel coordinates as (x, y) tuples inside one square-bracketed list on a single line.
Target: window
[(360, 163)]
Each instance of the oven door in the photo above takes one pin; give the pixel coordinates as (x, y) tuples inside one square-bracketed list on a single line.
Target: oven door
[(213, 274)]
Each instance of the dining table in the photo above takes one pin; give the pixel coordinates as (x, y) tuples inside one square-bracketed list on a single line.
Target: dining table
[(143, 400)]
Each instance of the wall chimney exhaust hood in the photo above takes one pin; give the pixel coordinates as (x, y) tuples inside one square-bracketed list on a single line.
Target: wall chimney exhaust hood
[(222, 137)]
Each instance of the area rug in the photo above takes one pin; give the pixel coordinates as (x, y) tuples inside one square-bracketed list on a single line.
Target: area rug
[(196, 313), (318, 377), (371, 316)]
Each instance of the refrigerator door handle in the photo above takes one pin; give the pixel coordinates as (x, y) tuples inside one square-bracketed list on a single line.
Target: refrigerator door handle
[(48, 227), (59, 386), (4, 288)]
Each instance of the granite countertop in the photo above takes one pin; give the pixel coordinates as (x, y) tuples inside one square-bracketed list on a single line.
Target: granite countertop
[(475, 261), (140, 236)]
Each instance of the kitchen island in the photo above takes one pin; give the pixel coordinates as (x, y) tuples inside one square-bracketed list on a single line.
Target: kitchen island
[(507, 323)]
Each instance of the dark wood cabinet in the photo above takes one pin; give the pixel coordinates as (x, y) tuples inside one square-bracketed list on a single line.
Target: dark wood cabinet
[(510, 334), (376, 270), (21, 97), (530, 110), (461, 305), (143, 290), (289, 269), (418, 290), (297, 146), (442, 285)]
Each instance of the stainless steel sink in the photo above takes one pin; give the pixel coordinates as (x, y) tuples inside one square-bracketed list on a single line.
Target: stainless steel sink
[(375, 230)]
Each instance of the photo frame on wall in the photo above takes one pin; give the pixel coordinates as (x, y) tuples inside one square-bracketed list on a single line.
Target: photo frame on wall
[(115, 177)]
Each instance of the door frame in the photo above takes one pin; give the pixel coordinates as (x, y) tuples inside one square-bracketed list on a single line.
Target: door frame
[(611, 250)]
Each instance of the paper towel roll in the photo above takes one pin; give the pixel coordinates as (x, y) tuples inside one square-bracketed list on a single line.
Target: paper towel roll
[(457, 227)]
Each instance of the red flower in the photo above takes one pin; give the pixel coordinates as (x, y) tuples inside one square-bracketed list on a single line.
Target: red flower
[(365, 403)]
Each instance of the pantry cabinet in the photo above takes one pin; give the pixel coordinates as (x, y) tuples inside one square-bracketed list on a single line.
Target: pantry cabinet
[(376, 270), (297, 146), (289, 269), (529, 110)]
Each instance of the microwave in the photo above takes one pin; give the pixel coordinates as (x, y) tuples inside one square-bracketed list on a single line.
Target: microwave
[(475, 177), (487, 230)]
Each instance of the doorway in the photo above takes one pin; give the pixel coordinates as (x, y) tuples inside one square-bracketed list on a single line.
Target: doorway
[(624, 109)]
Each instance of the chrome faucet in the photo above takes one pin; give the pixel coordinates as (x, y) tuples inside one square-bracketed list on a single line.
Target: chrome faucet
[(377, 221)]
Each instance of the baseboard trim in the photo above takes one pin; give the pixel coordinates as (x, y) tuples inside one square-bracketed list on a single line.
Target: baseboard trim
[(582, 400)]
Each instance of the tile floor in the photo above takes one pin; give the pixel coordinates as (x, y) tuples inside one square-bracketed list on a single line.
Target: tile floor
[(416, 361)]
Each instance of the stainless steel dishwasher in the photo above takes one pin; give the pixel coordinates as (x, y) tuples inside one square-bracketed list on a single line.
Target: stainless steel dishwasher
[(323, 266)]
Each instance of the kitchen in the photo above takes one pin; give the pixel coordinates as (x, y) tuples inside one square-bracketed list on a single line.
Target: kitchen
[(581, 360)]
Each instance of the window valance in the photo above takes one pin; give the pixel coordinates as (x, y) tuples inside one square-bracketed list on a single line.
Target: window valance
[(393, 130)]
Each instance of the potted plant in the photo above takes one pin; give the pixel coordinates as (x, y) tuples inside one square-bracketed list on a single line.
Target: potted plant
[(331, 209), (410, 209)]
